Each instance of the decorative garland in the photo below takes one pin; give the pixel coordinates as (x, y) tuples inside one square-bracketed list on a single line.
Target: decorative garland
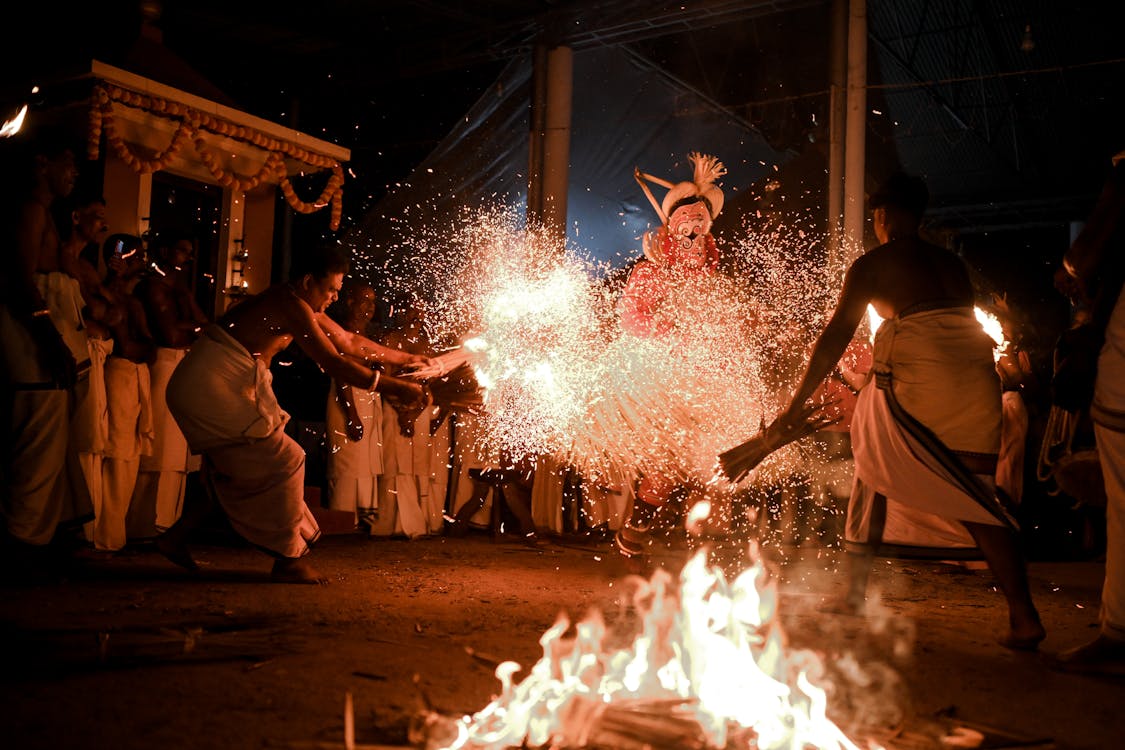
[(191, 124)]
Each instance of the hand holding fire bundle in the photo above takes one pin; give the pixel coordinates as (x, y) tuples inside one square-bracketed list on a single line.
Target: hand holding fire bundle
[(792, 424), (449, 384)]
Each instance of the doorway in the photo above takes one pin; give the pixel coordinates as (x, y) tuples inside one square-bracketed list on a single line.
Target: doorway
[(194, 207)]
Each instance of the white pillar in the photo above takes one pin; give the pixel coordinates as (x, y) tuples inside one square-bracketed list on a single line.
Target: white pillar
[(855, 167), (550, 148), (837, 113)]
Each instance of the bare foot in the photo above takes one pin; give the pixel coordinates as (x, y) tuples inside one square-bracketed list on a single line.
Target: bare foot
[(1101, 656), (295, 570), (175, 550), (1023, 639)]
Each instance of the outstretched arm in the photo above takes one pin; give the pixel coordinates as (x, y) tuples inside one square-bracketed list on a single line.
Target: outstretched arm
[(363, 348), (835, 337)]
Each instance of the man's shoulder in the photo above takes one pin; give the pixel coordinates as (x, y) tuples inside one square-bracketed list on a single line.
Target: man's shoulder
[(151, 286), (279, 301)]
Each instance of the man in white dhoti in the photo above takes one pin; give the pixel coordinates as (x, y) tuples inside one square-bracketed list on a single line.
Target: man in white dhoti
[(1094, 276), (416, 458), (175, 319), (129, 420), (926, 429), (222, 398), (43, 346), (354, 419), (81, 221)]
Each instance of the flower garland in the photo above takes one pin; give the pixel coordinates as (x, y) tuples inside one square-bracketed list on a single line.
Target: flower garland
[(192, 122)]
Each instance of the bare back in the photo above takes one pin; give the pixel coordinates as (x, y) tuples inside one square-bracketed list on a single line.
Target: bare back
[(265, 323), (892, 278), (910, 271)]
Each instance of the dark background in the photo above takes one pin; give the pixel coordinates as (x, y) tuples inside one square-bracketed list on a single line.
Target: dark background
[(1010, 109)]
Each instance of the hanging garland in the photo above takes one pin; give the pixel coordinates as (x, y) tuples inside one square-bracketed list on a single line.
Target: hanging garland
[(191, 125)]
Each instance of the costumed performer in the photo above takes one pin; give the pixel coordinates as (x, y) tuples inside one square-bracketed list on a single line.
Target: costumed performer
[(682, 247)]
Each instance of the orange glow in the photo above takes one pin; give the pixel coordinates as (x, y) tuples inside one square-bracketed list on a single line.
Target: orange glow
[(12, 126), (709, 664)]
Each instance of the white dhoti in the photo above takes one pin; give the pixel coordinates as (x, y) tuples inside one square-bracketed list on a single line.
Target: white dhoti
[(129, 436), (223, 401), (925, 435), (468, 452), (606, 499), (89, 427), (45, 488), (415, 476), (355, 465), (159, 495), (1013, 446), (1108, 413), (547, 489)]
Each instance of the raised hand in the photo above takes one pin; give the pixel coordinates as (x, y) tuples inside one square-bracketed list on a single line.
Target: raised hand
[(792, 424)]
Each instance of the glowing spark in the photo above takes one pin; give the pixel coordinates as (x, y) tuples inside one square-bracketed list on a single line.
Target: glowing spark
[(539, 326), (873, 321)]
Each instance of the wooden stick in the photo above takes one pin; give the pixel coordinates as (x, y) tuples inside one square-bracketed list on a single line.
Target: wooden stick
[(349, 722)]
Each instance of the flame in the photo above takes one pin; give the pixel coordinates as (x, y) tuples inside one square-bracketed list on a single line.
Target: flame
[(709, 659), (12, 126), (873, 321), (995, 330), (988, 322)]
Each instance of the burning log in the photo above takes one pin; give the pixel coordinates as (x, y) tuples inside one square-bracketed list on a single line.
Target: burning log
[(632, 725)]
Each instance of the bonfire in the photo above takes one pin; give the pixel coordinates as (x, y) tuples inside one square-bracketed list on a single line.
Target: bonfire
[(710, 668)]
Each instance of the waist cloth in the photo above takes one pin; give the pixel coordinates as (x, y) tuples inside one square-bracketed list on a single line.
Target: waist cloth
[(22, 365), (221, 395), (222, 398), (927, 427)]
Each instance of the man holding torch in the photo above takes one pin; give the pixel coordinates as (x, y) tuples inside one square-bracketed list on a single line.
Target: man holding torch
[(926, 430)]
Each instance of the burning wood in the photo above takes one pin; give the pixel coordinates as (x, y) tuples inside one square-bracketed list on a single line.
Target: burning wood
[(708, 670)]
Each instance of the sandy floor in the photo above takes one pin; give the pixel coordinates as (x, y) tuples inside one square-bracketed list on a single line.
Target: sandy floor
[(132, 653)]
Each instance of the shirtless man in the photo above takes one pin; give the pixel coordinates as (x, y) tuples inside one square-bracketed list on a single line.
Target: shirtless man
[(176, 320), (129, 433), (354, 420), (926, 429), (82, 222), (42, 340), (222, 398)]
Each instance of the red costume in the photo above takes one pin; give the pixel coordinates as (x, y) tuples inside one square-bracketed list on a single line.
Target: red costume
[(680, 249)]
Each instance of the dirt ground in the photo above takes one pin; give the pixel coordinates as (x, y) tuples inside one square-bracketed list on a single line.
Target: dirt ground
[(130, 652)]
